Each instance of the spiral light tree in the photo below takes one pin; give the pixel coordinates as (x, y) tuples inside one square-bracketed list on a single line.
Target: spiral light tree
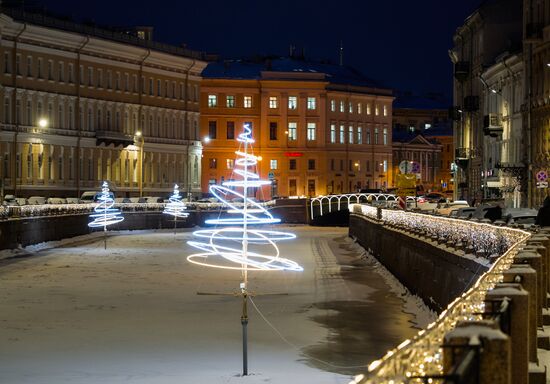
[(235, 244), (104, 213), (176, 207)]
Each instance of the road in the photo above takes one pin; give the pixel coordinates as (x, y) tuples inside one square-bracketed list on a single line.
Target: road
[(80, 314)]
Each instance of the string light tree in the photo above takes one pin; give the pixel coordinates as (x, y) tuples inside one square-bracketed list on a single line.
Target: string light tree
[(234, 243), (104, 213), (176, 207)]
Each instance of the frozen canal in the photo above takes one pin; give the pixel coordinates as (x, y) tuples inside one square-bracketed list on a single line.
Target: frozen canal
[(79, 314)]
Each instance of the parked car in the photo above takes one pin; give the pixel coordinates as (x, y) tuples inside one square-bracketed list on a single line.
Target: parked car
[(466, 213), (87, 197), (520, 216), (72, 200), (123, 200), (36, 200), (56, 200), (446, 208), (10, 200)]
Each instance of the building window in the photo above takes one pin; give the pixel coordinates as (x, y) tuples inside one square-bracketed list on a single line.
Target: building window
[(39, 69), (350, 107), (342, 134), (247, 101), (292, 102), (359, 108), (7, 62), (368, 135), (272, 164), (385, 110), (332, 164), (427, 125), (151, 87), (385, 165), (292, 131), (18, 64), (292, 164), (272, 130), (375, 135), (359, 135), (311, 164), (29, 66), (342, 106), (230, 163), (333, 133), (273, 102), (368, 108), (311, 103), (230, 130), (213, 163), (350, 136), (159, 87), (212, 130), (376, 110), (212, 101), (333, 105), (90, 77), (311, 131), (229, 101), (385, 136)]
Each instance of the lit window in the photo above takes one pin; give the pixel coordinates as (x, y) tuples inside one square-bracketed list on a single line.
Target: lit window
[(333, 105), (350, 107), (230, 163), (385, 110), (311, 131), (385, 166), (342, 107), (248, 101), (272, 164), (359, 135), (368, 109), (350, 136), (212, 100), (292, 131), (272, 102), (342, 135), (230, 101), (385, 136), (375, 135), (376, 110), (333, 133), (292, 102), (311, 103), (213, 163), (427, 126), (359, 108)]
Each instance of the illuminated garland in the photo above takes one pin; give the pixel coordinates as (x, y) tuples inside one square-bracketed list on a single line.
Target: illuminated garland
[(176, 207), (238, 246), (104, 213)]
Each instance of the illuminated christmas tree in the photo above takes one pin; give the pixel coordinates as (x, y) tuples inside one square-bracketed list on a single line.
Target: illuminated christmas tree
[(175, 207), (235, 243), (104, 213)]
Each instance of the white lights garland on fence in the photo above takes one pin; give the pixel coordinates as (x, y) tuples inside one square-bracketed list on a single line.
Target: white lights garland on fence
[(237, 246)]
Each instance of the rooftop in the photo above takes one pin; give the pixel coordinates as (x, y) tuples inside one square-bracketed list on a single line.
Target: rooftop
[(252, 69)]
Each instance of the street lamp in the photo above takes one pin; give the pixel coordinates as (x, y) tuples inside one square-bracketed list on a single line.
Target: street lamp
[(139, 137), (207, 139), (43, 123)]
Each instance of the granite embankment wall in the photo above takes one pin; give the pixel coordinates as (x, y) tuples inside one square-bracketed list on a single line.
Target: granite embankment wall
[(435, 273), (17, 232)]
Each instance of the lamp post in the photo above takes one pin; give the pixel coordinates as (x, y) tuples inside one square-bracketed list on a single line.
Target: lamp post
[(139, 137)]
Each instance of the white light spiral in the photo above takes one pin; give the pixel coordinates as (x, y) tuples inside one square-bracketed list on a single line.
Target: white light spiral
[(238, 246), (176, 207), (104, 213)]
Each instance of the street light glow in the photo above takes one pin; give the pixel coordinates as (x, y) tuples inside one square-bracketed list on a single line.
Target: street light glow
[(207, 139), (43, 123), (138, 133)]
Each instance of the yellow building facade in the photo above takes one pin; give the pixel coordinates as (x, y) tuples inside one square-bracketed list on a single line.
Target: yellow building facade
[(73, 99)]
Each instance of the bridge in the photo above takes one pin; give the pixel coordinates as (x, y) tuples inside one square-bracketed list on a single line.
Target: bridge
[(343, 201)]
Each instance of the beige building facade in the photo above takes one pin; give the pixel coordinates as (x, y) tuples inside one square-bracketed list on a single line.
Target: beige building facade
[(75, 101)]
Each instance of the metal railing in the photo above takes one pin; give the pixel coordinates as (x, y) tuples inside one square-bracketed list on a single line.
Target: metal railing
[(420, 359)]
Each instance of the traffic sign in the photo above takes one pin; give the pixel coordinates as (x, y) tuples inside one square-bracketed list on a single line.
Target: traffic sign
[(271, 175), (542, 176)]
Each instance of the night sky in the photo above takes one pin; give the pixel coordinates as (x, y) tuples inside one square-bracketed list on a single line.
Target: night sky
[(401, 43)]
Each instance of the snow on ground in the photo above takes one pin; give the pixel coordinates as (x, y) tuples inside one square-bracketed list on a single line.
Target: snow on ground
[(72, 312)]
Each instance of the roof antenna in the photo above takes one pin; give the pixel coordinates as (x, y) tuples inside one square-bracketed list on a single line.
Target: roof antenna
[(341, 53)]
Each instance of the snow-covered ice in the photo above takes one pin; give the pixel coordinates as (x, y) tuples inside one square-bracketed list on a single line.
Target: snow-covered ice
[(72, 312)]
